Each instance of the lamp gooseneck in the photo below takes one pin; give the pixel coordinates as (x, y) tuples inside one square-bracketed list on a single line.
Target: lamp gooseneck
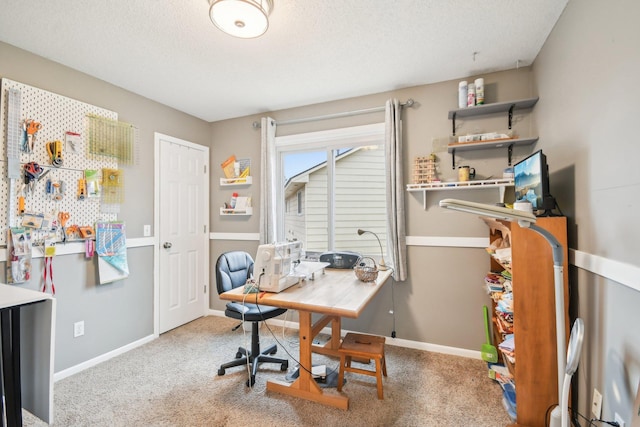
[(381, 265)]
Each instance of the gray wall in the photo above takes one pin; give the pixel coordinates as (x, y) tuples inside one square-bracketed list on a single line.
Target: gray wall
[(120, 313), (587, 78), (431, 295)]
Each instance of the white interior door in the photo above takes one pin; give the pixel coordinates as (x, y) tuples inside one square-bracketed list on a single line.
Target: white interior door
[(183, 231)]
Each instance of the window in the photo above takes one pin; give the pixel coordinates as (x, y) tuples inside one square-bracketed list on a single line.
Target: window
[(337, 178)]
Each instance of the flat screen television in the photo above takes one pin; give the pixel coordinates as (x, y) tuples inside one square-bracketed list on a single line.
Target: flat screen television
[(531, 179)]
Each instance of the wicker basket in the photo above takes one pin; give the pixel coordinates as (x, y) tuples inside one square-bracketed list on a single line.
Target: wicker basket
[(366, 272)]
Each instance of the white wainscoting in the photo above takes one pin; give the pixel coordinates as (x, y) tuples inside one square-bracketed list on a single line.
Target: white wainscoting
[(625, 274)]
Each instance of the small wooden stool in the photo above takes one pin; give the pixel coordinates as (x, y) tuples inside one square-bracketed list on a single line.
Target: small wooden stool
[(362, 346)]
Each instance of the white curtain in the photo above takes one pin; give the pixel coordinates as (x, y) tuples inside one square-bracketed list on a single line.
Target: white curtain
[(268, 181), (395, 189)]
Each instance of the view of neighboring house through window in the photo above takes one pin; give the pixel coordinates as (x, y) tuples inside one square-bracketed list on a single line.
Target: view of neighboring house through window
[(337, 190)]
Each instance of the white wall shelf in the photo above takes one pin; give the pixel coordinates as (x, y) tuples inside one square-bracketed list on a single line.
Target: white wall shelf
[(235, 182), (236, 212), (501, 184)]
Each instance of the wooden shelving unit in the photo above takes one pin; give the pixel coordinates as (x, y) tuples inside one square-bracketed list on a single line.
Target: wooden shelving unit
[(535, 371)]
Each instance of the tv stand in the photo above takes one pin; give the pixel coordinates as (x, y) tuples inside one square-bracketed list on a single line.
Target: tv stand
[(548, 213), (548, 205)]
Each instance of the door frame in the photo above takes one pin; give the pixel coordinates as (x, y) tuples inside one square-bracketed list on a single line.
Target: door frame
[(156, 224)]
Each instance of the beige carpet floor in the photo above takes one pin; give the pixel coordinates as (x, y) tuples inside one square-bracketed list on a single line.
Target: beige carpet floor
[(173, 381)]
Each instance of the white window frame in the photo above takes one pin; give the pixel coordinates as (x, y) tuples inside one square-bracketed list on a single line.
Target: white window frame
[(329, 140)]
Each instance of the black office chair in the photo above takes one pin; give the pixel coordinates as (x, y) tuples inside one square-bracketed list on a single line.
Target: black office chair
[(232, 270)]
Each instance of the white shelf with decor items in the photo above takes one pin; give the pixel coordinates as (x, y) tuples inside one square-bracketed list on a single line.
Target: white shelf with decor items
[(235, 182), (481, 110), (501, 184), (236, 212), (532, 365), (238, 205)]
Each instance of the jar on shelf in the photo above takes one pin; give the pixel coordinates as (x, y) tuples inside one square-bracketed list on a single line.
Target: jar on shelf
[(462, 94), (471, 95)]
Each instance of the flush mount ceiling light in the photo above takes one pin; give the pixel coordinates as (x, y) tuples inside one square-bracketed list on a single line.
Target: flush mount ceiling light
[(241, 18)]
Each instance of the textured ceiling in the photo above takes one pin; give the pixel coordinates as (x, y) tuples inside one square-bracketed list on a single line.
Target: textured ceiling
[(314, 51)]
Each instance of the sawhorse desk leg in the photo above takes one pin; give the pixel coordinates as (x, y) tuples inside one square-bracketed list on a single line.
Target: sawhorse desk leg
[(305, 386)]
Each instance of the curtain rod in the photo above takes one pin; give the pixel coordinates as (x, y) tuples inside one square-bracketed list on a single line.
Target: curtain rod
[(409, 103)]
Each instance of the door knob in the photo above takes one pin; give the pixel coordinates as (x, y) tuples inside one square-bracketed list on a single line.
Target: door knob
[(167, 245)]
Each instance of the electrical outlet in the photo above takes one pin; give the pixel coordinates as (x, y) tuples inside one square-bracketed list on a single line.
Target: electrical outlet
[(78, 329), (147, 230), (619, 420), (596, 405)]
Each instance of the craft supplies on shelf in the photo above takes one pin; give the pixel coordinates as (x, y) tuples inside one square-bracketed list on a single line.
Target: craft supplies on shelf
[(236, 171)]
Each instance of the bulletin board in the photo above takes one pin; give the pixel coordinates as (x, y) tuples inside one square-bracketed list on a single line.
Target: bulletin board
[(57, 115)]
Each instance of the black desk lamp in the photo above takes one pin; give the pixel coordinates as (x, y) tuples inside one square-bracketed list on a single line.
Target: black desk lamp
[(381, 265)]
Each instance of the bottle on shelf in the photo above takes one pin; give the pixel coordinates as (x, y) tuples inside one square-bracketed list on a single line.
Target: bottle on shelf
[(471, 95), (234, 197), (462, 94), (479, 84)]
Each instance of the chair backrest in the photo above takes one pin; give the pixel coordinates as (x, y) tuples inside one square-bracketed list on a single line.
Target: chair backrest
[(232, 270)]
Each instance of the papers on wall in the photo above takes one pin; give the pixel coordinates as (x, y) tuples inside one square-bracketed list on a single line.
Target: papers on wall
[(111, 247)]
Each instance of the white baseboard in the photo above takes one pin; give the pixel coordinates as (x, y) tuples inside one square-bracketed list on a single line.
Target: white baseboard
[(398, 342), (102, 358)]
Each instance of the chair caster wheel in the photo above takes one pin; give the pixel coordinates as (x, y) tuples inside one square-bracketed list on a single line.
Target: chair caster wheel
[(284, 366), (275, 350), (221, 371), (251, 381), (238, 355)]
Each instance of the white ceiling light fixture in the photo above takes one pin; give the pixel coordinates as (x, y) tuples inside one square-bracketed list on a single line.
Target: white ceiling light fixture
[(241, 18)]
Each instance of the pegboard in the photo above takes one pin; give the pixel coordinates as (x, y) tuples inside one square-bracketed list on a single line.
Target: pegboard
[(57, 115)]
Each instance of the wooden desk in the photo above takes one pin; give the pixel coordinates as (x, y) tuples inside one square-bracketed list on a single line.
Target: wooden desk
[(28, 325), (335, 294)]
